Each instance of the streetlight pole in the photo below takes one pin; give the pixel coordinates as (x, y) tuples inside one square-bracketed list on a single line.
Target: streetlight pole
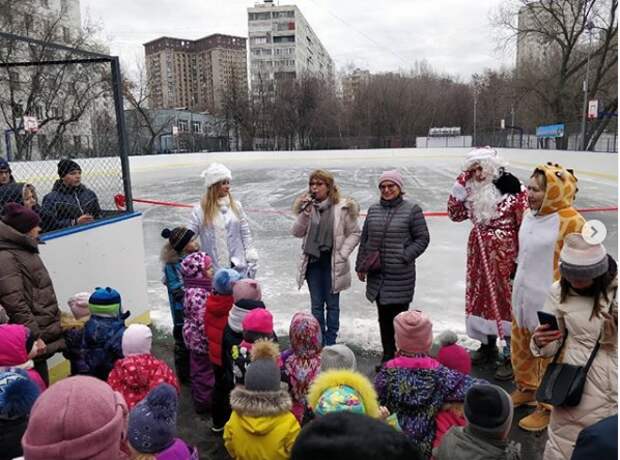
[(584, 144), (475, 115)]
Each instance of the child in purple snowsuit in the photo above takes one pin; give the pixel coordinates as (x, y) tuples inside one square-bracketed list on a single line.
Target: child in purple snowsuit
[(415, 386), (197, 274)]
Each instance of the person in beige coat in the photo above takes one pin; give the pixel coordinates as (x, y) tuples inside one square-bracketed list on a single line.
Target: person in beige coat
[(584, 303), (330, 230)]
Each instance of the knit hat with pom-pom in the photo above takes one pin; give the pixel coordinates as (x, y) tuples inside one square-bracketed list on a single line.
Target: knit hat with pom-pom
[(152, 423), (263, 373), (178, 237), (78, 304), (224, 280), (17, 394), (247, 289), (451, 354)]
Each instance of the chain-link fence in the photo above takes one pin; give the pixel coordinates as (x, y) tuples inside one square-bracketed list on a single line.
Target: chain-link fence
[(63, 132)]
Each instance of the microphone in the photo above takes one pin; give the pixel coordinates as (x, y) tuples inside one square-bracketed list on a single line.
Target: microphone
[(309, 202)]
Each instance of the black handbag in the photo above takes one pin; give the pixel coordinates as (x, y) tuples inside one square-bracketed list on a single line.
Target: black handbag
[(562, 384), (371, 262)]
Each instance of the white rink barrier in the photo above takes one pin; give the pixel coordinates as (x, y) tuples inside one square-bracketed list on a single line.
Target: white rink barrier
[(105, 253)]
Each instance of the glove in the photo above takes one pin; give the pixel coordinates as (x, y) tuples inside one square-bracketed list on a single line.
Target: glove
[(459, 192), (251, 256)]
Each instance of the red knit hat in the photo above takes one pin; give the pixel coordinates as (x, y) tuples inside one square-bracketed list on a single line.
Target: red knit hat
[(413, 332), (20, 217), (258, 320), (60, 428), (452, 355)]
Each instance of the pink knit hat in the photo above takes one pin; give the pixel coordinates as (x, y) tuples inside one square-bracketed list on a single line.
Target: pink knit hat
[(246, 289), (137, 340), (78, 418), (392, 176), (258, 320), (78, 304), (452, 355), (413, 332)]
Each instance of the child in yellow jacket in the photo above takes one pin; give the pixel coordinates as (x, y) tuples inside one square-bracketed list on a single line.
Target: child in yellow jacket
[(262, 426)]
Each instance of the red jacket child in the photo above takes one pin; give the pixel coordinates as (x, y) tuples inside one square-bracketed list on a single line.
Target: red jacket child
[(139, 371), (216, 318)]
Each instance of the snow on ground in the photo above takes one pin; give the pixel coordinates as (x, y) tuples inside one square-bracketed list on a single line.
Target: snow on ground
[(268, 182)]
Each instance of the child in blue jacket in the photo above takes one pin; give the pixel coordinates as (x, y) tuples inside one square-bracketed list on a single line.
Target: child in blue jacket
[(181, 242)]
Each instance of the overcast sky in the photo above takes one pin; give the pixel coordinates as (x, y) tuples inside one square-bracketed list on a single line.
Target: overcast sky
[(453, 36)]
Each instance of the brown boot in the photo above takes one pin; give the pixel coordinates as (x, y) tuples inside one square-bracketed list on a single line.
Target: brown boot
[(536, 421), (523, 397)]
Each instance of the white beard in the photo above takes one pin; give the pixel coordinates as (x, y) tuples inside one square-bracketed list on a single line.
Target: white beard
[(482, 200)]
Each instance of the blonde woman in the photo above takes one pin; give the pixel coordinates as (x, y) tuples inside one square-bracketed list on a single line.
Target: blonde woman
[(330, 231), (222, 226)]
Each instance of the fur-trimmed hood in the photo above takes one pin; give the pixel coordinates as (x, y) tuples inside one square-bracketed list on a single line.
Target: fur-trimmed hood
[(260, 403), (349, 204), (344, 377), (168, 255)]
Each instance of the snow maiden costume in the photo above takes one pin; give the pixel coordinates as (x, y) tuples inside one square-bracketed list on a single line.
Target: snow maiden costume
[(495, 205)]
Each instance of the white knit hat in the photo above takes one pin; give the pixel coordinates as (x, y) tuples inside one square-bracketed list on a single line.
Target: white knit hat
[(137, 340), (216, 172), (582, 260)]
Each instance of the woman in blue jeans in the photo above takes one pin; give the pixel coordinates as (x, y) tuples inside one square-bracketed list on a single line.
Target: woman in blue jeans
[(330, 231)]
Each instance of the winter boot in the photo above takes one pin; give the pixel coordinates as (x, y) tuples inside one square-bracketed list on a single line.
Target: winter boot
[(523, 397), (536, 421), (503, 373), (487, 353)]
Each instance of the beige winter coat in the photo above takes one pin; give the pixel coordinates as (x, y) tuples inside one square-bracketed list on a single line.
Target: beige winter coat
[(600, 394), (347, 234)]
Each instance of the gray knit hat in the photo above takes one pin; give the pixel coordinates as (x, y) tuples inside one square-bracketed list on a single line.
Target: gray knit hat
[(488, 409), (337, 356), (582, 260), (263, 373)]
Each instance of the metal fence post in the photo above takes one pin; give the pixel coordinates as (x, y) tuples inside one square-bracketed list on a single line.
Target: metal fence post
[(117, 89)]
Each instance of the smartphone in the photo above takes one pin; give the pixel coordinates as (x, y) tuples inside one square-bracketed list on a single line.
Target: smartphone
[(548, 318)]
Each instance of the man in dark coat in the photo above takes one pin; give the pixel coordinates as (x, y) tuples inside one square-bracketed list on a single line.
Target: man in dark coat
[(598, 441), (70, 202)]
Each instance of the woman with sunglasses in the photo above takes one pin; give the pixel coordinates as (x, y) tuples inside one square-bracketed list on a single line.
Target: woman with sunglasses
[(222, 224), (330, 231), (397, 229)]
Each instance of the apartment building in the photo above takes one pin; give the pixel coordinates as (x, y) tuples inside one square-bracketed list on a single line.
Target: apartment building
[(197, 74), (283, 45), (352, 83)]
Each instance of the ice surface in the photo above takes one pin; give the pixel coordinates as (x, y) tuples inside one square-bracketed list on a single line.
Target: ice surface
[(267, 184)]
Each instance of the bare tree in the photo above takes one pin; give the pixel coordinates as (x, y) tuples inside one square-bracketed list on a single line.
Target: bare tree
[(564, 37), (62, 96)]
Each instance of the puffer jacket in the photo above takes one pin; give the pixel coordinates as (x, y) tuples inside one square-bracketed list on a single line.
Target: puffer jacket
[(261, 426), (415, 388), (346, 238), (463, 444), (197, 289), (11, 433), (102, 344), (13, 353), (74, 335), (405, 240), (136, 375), (238, 237), (600, 394), (65, 204), (26, 289), (179, 450), (216, 318)]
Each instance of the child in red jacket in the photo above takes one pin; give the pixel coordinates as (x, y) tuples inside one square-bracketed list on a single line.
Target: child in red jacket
[(219, 304), (139, 371)]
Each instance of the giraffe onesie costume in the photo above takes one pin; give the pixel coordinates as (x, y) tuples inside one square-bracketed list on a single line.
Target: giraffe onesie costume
[(541, 238)]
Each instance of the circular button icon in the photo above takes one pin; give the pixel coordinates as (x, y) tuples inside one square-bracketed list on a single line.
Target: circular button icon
[(594, 232)]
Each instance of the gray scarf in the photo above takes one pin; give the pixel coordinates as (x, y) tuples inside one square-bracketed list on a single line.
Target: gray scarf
[(321, 232)]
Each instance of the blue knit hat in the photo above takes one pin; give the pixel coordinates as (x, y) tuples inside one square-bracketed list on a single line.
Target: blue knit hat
[(152, 422), (4, 165), (17, 394), (105, 301), (224, 279)]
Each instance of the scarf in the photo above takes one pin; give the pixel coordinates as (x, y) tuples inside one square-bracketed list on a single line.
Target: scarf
[(235, 318), (201, 283), (321, 232)]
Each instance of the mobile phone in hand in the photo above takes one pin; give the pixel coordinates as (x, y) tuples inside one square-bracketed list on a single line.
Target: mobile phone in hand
[(548, 318)]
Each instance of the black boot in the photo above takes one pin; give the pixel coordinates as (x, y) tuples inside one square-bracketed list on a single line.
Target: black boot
[(487, 353)]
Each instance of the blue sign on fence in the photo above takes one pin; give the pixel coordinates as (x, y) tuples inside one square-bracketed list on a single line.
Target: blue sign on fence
[(550, 131)]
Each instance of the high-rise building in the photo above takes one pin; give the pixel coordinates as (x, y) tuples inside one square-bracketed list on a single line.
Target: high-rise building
[(283, 45), (196, 74), (352, 83)]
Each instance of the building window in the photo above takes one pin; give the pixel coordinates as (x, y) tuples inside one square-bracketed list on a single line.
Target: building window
[(259, 16), (196, 126), (258, 40), (284, 39), (66, 34), (77, 142), (183, 126)]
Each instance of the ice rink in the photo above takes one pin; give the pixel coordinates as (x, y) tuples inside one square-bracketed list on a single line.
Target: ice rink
[(267, 183)]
